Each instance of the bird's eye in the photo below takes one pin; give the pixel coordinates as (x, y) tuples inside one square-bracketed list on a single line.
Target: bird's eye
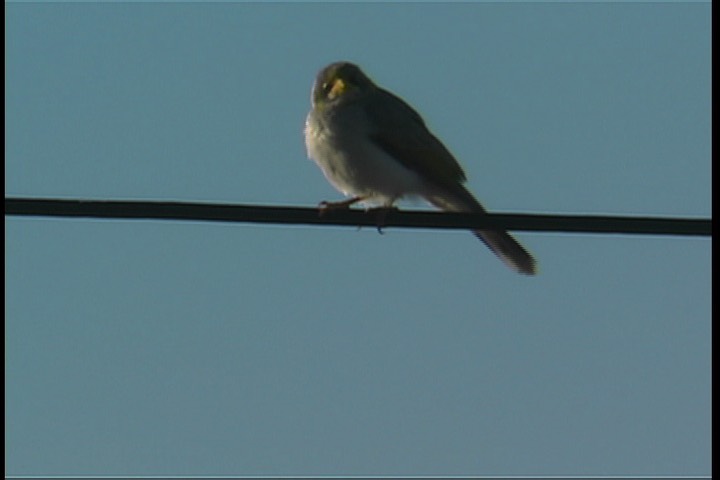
[(326, 87)]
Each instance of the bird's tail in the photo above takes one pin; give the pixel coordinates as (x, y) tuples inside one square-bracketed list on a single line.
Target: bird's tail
[(500, 242)]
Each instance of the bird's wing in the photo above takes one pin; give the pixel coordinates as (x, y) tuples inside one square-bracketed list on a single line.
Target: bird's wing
[(402, 133)]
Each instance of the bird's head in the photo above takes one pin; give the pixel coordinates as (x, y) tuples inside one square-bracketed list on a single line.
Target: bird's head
[(339, 82)]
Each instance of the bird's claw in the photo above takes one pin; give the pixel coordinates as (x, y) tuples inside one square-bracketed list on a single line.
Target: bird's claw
[(381, 212), (381, 216), (326, 206)]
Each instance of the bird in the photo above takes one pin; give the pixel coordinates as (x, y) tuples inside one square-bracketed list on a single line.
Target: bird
[(375, 149)]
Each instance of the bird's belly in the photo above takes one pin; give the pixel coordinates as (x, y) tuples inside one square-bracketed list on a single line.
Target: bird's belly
[(357, 167)]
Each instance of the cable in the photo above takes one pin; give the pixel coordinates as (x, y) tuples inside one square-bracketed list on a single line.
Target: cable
[(114, 209)]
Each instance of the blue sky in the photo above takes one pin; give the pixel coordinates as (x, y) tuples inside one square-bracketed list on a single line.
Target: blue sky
[(155, 348)]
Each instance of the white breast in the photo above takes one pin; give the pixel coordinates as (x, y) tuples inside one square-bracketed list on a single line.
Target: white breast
[(355, 165)]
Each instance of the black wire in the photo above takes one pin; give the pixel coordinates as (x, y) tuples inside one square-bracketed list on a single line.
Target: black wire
[(355, 217)]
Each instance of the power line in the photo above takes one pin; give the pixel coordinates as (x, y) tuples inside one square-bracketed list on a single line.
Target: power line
[(115, 209)]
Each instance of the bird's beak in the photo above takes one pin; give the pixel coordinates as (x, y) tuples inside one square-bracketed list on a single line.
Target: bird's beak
[(337, 89)]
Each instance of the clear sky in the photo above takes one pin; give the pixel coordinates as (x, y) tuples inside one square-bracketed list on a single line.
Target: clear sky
[(157, 348)]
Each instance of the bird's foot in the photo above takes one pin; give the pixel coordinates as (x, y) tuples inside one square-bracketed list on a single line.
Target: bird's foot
[(325, 206), (381, 215)]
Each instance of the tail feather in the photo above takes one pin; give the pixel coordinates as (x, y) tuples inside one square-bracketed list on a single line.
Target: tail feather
[(509, 250), (500, 242)]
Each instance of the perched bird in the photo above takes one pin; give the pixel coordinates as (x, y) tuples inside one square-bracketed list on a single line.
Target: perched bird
[(374, 148)]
